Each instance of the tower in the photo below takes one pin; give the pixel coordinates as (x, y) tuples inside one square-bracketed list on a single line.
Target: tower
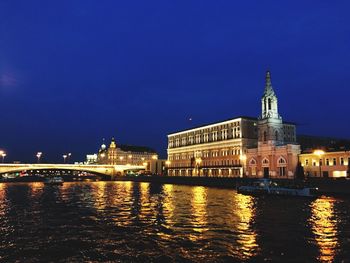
[(270, 126), (112, 153)]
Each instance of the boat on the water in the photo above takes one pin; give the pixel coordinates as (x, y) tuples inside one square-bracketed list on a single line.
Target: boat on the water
[(268, 187), (54, 180)]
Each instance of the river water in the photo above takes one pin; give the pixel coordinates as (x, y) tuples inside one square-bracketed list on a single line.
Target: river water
[(143, 222)]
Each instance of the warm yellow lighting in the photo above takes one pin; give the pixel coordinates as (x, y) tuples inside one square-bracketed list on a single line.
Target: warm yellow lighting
[(243, 157), (339, 174), (121, 157), (144, 164), (130, 156), (154, 157), (319, 152), (324, 227), (198, 161), (168, 163)]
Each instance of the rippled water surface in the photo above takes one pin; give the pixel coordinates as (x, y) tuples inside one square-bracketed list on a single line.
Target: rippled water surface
[(142, 222)]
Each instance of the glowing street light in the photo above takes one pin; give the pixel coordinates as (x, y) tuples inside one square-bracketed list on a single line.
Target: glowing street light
[(68, 157), (319, 153), (38, 155), (64, 157), (3, 155), (243, 158), (198, 162)]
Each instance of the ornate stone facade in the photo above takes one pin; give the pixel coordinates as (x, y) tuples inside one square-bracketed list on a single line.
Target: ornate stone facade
[(277, 153)]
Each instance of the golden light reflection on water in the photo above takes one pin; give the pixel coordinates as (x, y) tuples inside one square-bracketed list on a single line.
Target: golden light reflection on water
[(36, 189), (246, 235), (199, 211), (2, 191), (168, 204), (324, 227), (99, 194)]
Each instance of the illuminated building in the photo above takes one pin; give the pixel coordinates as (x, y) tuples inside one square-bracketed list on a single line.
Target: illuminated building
[(211, 150), (243, 146), (277, 153), (124, 154), (325, 164)]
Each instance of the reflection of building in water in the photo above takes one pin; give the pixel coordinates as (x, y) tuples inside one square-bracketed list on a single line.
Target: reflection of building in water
[(324, 227), (246, 238), (36, 189), (168, 204), (199, 210)]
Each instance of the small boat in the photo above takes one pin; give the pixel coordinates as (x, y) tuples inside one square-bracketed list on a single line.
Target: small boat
[(54, 180), (268, 187)]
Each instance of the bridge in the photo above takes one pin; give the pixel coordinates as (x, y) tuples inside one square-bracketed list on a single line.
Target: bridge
[(111, 170)]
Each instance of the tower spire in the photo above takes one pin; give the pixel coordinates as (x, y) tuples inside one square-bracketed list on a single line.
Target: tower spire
[(268, 84)]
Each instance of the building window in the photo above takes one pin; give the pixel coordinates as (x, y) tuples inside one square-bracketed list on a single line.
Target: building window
[(224, 134), (282, 171), (320, 162), (327, 162), (265, 136), (341, 161), (334, 161), (214, 136), (306, 162), (269, 102), (198, 138), (206, 137), (190, 139)]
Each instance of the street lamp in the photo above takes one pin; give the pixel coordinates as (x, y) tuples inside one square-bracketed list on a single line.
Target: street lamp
[(243, 158), (198, 162), (64, 157), (38, 155), (319, 153), (167, 164), (69, 155), (3, 155)]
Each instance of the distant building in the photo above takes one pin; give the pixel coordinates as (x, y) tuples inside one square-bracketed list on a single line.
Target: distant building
[(91, 158), (277, 153), (125, 154), (325, 164)]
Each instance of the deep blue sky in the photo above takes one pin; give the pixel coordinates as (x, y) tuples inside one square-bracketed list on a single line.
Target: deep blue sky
[(73, 72)]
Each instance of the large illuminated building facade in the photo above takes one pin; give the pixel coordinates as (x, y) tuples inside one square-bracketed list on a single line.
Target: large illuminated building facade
[(243, 146), (277, 153), (211, 150), (125, 154)]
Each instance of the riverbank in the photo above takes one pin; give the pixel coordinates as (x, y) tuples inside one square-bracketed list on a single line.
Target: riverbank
[(326, 186)]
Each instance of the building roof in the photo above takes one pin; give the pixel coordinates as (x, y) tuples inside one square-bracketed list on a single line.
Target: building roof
[(215, 123), (310, 143), (133, 148)]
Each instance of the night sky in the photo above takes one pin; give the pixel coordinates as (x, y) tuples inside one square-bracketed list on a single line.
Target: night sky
[(74, 72)]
